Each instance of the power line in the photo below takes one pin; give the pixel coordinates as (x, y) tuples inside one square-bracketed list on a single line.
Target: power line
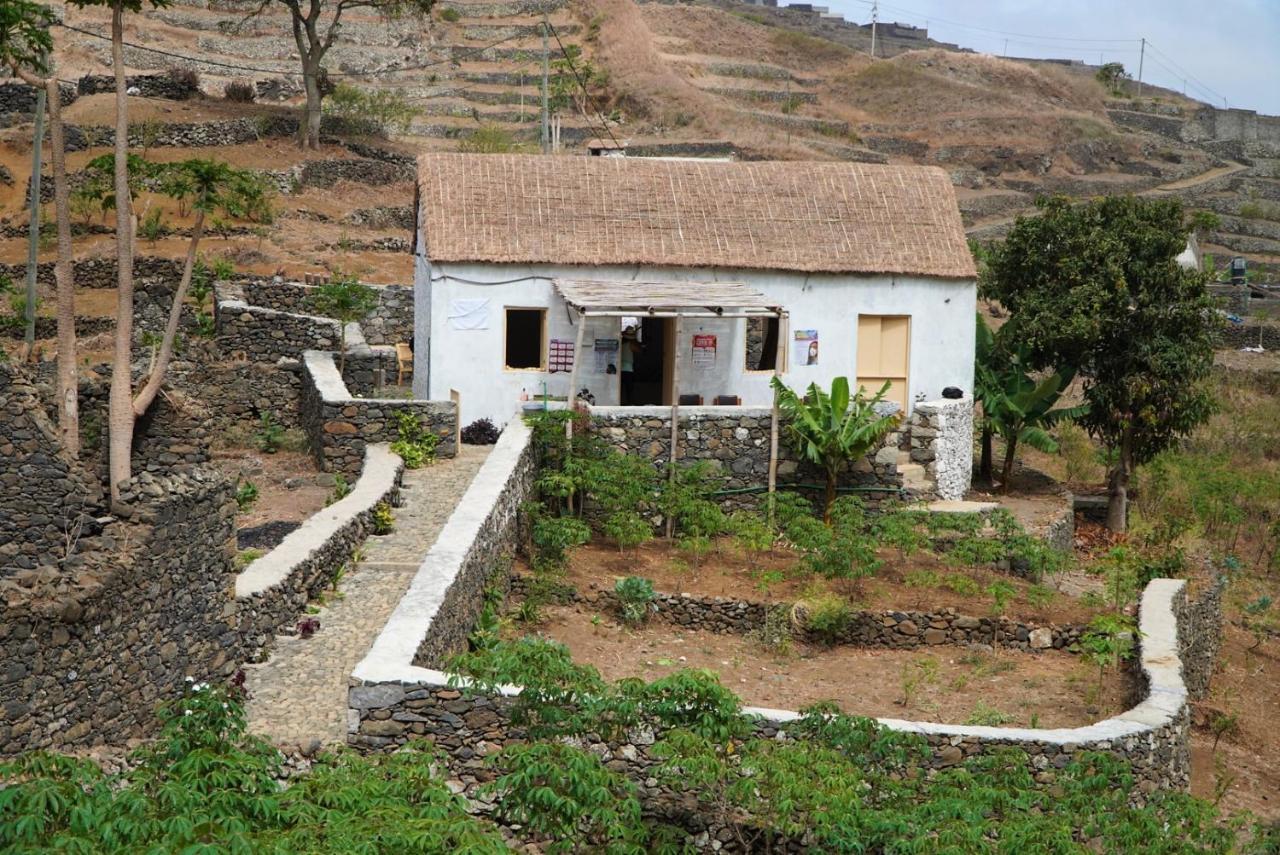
[(604, 123), (1184, 74), (1008, 33)]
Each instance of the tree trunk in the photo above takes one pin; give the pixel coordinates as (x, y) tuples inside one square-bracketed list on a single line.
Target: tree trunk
[(985, 473), (309, 127), (1006, 473), (1118, 485), (832, 476), (152, 387), (68, 378), (120, 402)]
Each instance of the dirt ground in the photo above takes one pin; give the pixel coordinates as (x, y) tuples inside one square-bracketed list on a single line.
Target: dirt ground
[(770, 577), (1052, 689), (289, 488)]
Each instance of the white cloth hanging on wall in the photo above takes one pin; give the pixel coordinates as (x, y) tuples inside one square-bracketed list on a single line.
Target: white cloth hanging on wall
[(469, 314)]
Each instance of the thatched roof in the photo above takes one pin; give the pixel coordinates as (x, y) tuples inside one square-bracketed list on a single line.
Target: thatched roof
[(800, 216)]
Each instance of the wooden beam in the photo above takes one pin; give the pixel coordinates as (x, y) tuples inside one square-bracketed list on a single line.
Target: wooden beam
[(778, 357), (675, 417)]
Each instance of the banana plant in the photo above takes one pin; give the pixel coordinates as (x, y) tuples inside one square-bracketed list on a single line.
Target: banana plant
[(1015, 405), (830, 429)]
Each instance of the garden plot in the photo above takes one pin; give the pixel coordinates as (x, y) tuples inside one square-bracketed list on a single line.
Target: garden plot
[(275, 492), (949, 684)]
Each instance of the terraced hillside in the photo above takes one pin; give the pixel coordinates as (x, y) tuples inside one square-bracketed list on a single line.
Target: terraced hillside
[(687, 78)]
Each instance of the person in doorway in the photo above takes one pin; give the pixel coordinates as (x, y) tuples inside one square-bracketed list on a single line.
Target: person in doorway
[(627, 363)]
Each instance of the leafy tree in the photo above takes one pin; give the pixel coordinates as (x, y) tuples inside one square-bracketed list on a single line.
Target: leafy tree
[(832, 429), (1097, 286), (344, 299), (1015, 405), (313, 37), (25, 45), (1112, 75), (379, 110)]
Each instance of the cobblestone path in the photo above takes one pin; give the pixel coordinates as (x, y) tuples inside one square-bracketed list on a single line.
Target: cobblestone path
[(299, 695)]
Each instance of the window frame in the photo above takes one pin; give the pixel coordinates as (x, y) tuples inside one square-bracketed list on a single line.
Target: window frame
[(784, 327), (542, 343)]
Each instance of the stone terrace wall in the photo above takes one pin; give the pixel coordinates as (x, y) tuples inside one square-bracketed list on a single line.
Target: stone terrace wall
[(394, 699), (44, 497), (736, 441), (100, 272), (275, 589), (18, 97), (883, 629), (389, 323), (89, 655), (339, 427), (1200, 637), (267, 335)]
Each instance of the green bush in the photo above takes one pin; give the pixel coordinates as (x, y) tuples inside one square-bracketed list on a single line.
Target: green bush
[(372, 111), (553, 537), (635, 598), (827, 616), (246, 495), (628, 529), (414, 443), (489, 139), (383, 520), (269, 434), (450, 15)]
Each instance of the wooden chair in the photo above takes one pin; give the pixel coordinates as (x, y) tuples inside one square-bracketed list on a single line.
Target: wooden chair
[(691, 400), (728, 401), (404, 362)]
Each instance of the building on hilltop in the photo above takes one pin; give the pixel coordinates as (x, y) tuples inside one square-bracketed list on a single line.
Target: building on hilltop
[(639, 282)]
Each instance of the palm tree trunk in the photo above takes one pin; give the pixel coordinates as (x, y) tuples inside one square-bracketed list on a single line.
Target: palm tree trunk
[(148, 393), (120, 402), (1006, 474)]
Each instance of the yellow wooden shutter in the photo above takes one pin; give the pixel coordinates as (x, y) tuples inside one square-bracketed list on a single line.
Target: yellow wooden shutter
[(884, 350)]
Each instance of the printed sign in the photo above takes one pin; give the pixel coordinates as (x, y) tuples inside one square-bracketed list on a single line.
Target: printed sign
[(606, 350), (805, 347), (561, 356), (704, 351)]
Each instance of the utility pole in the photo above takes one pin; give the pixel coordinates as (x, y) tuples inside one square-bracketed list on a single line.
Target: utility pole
[(1006, 48), (33, 233), (1142, 55), (875, 17), (546, 71)]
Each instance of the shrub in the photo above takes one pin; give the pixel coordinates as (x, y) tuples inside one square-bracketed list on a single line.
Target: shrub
[(152, 227), (383, 520), (489, 139), (480, 432), (553, 537), (628, 529), (379, 111), (988, 716), (826, 615), (635, 597), (414, 443), (186, 78), (341, 489), (240, 92), (450, 15)]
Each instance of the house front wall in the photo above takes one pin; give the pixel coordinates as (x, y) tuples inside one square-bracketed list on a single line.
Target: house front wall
[(472, 360)]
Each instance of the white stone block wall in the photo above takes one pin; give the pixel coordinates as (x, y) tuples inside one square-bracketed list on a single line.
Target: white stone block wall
[(944, 431)]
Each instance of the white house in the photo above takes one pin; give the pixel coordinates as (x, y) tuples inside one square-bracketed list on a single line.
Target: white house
[(526, 265)]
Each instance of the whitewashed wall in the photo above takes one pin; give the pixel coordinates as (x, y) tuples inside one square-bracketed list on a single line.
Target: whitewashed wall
[(471, 361)]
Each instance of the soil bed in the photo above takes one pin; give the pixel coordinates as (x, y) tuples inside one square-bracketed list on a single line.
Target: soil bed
[(1049, 689), (774, 577), (289, 488)]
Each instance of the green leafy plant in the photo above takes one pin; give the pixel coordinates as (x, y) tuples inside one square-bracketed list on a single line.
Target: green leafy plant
[(341, 488), (635, 598), (832, 429), (415, 444), (372, 111), (827, 616), (450, 15), (751, 532), (1109, 640), (986, 715), (383, 520), (344, 299), (152, 226), (246, 495), (1016, 406), (552, 538), (245, 557), (269, 434), (628, 529), (914, 675), (1001, 593)]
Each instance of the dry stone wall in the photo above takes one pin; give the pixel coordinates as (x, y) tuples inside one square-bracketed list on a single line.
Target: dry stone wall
[(940, 435), (389, 323), (88, 653), (339, 427)]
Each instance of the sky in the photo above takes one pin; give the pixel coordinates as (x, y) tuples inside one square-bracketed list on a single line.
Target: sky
[(1224, 49)]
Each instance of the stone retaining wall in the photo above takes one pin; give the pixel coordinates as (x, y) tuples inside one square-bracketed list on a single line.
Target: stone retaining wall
[(18, 98), (90, 652), (339, 426), (274, 590), (394, 699), (1200, 636), (175, 87), (883, 629), (100, 272), (735, 442), (389, 323), (268, 335), (940, 434)]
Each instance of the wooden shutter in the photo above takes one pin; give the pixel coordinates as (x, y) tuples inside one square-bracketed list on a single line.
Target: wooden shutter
[(884, 352)]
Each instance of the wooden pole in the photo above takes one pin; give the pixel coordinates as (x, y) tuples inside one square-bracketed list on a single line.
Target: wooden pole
[(675, 418), (778, 356), (573, 373), (33, 231)]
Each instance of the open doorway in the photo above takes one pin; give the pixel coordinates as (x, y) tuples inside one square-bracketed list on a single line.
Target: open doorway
[(651, 343)]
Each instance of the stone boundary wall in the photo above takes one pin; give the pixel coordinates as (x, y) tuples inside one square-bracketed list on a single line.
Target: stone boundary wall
[(17, 98), (267, 335), (393, 699), (472, 551), (88, 655), (272, 591), (735, 440), (99, 272), (389, 323), (339, 426), (883, 629), (175, 87), (940, 435), (1200, 636)]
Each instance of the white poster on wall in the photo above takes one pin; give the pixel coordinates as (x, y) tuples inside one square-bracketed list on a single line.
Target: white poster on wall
[(704, 351), (805, 347), (469, 313)]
